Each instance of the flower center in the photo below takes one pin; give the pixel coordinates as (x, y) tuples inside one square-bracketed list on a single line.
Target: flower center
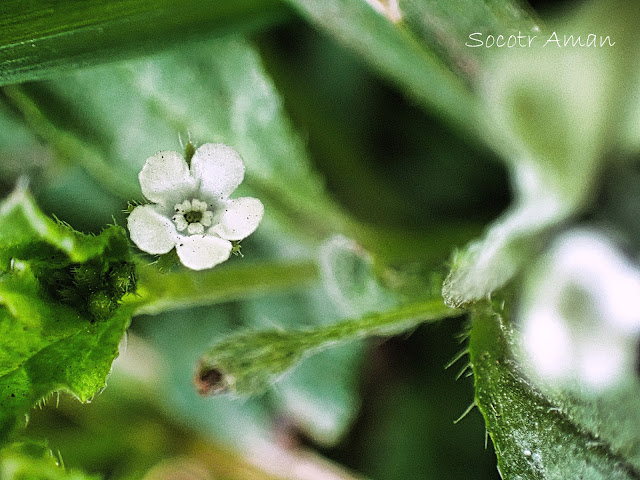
[(192, 216)]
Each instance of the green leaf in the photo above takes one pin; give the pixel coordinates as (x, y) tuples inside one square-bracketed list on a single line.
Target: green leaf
[(537, 436), (22, 223), (418, 46), (248, 362), (551, 110), (47, 38), (445, 25), (20, 150), (178, 340), (60, 316), (321, 394), (22, 461)]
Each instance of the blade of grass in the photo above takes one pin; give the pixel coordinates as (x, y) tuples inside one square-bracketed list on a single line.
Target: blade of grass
[(45, 38)]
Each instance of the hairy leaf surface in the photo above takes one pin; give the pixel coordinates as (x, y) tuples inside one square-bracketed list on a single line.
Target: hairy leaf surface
[(541, 436), (60, 314)]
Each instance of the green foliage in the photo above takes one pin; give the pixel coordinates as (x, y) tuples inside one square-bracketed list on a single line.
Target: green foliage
[(313, 276), (419, 49), (22, 461), (553, 122), (195, 90), (47, 38), (60, 317), (535, 435), (348, 273), (550, 111)]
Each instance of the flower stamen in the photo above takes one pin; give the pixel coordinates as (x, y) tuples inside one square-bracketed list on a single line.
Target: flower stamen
[(192, 216)]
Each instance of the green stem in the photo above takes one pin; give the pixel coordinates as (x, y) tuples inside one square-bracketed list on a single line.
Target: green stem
[(384, 324), (248, 363), (158, 292)]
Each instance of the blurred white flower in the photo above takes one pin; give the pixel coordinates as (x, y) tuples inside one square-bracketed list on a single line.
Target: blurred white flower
[(191, 208), (580, 312)]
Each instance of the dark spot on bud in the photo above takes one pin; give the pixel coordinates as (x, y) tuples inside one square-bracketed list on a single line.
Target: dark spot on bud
[(210, 381)]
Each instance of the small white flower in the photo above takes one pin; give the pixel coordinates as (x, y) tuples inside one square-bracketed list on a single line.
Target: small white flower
[(580, 312), (191, 208)]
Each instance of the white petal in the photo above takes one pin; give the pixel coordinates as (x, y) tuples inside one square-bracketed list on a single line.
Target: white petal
[(202, 251), (239, 219), (178, 209), (207, 218), (180, 222), (548, 343), (198, 205), (219, 169), (194, 228), (150, 231), (165, 177)]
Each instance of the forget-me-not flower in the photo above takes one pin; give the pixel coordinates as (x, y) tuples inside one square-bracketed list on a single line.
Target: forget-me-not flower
[(191, 208)]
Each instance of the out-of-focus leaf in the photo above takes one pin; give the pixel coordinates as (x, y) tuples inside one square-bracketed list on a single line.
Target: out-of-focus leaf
[(20, 150), (179, 340), (60, 319), (414, 44), (320, 396), (46, 38), (537, 436), (445, 27), (29, 461), (552, 109)]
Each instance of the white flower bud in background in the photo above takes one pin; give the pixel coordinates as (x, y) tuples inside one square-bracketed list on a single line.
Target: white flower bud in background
[(580, 313), (191, 208)]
